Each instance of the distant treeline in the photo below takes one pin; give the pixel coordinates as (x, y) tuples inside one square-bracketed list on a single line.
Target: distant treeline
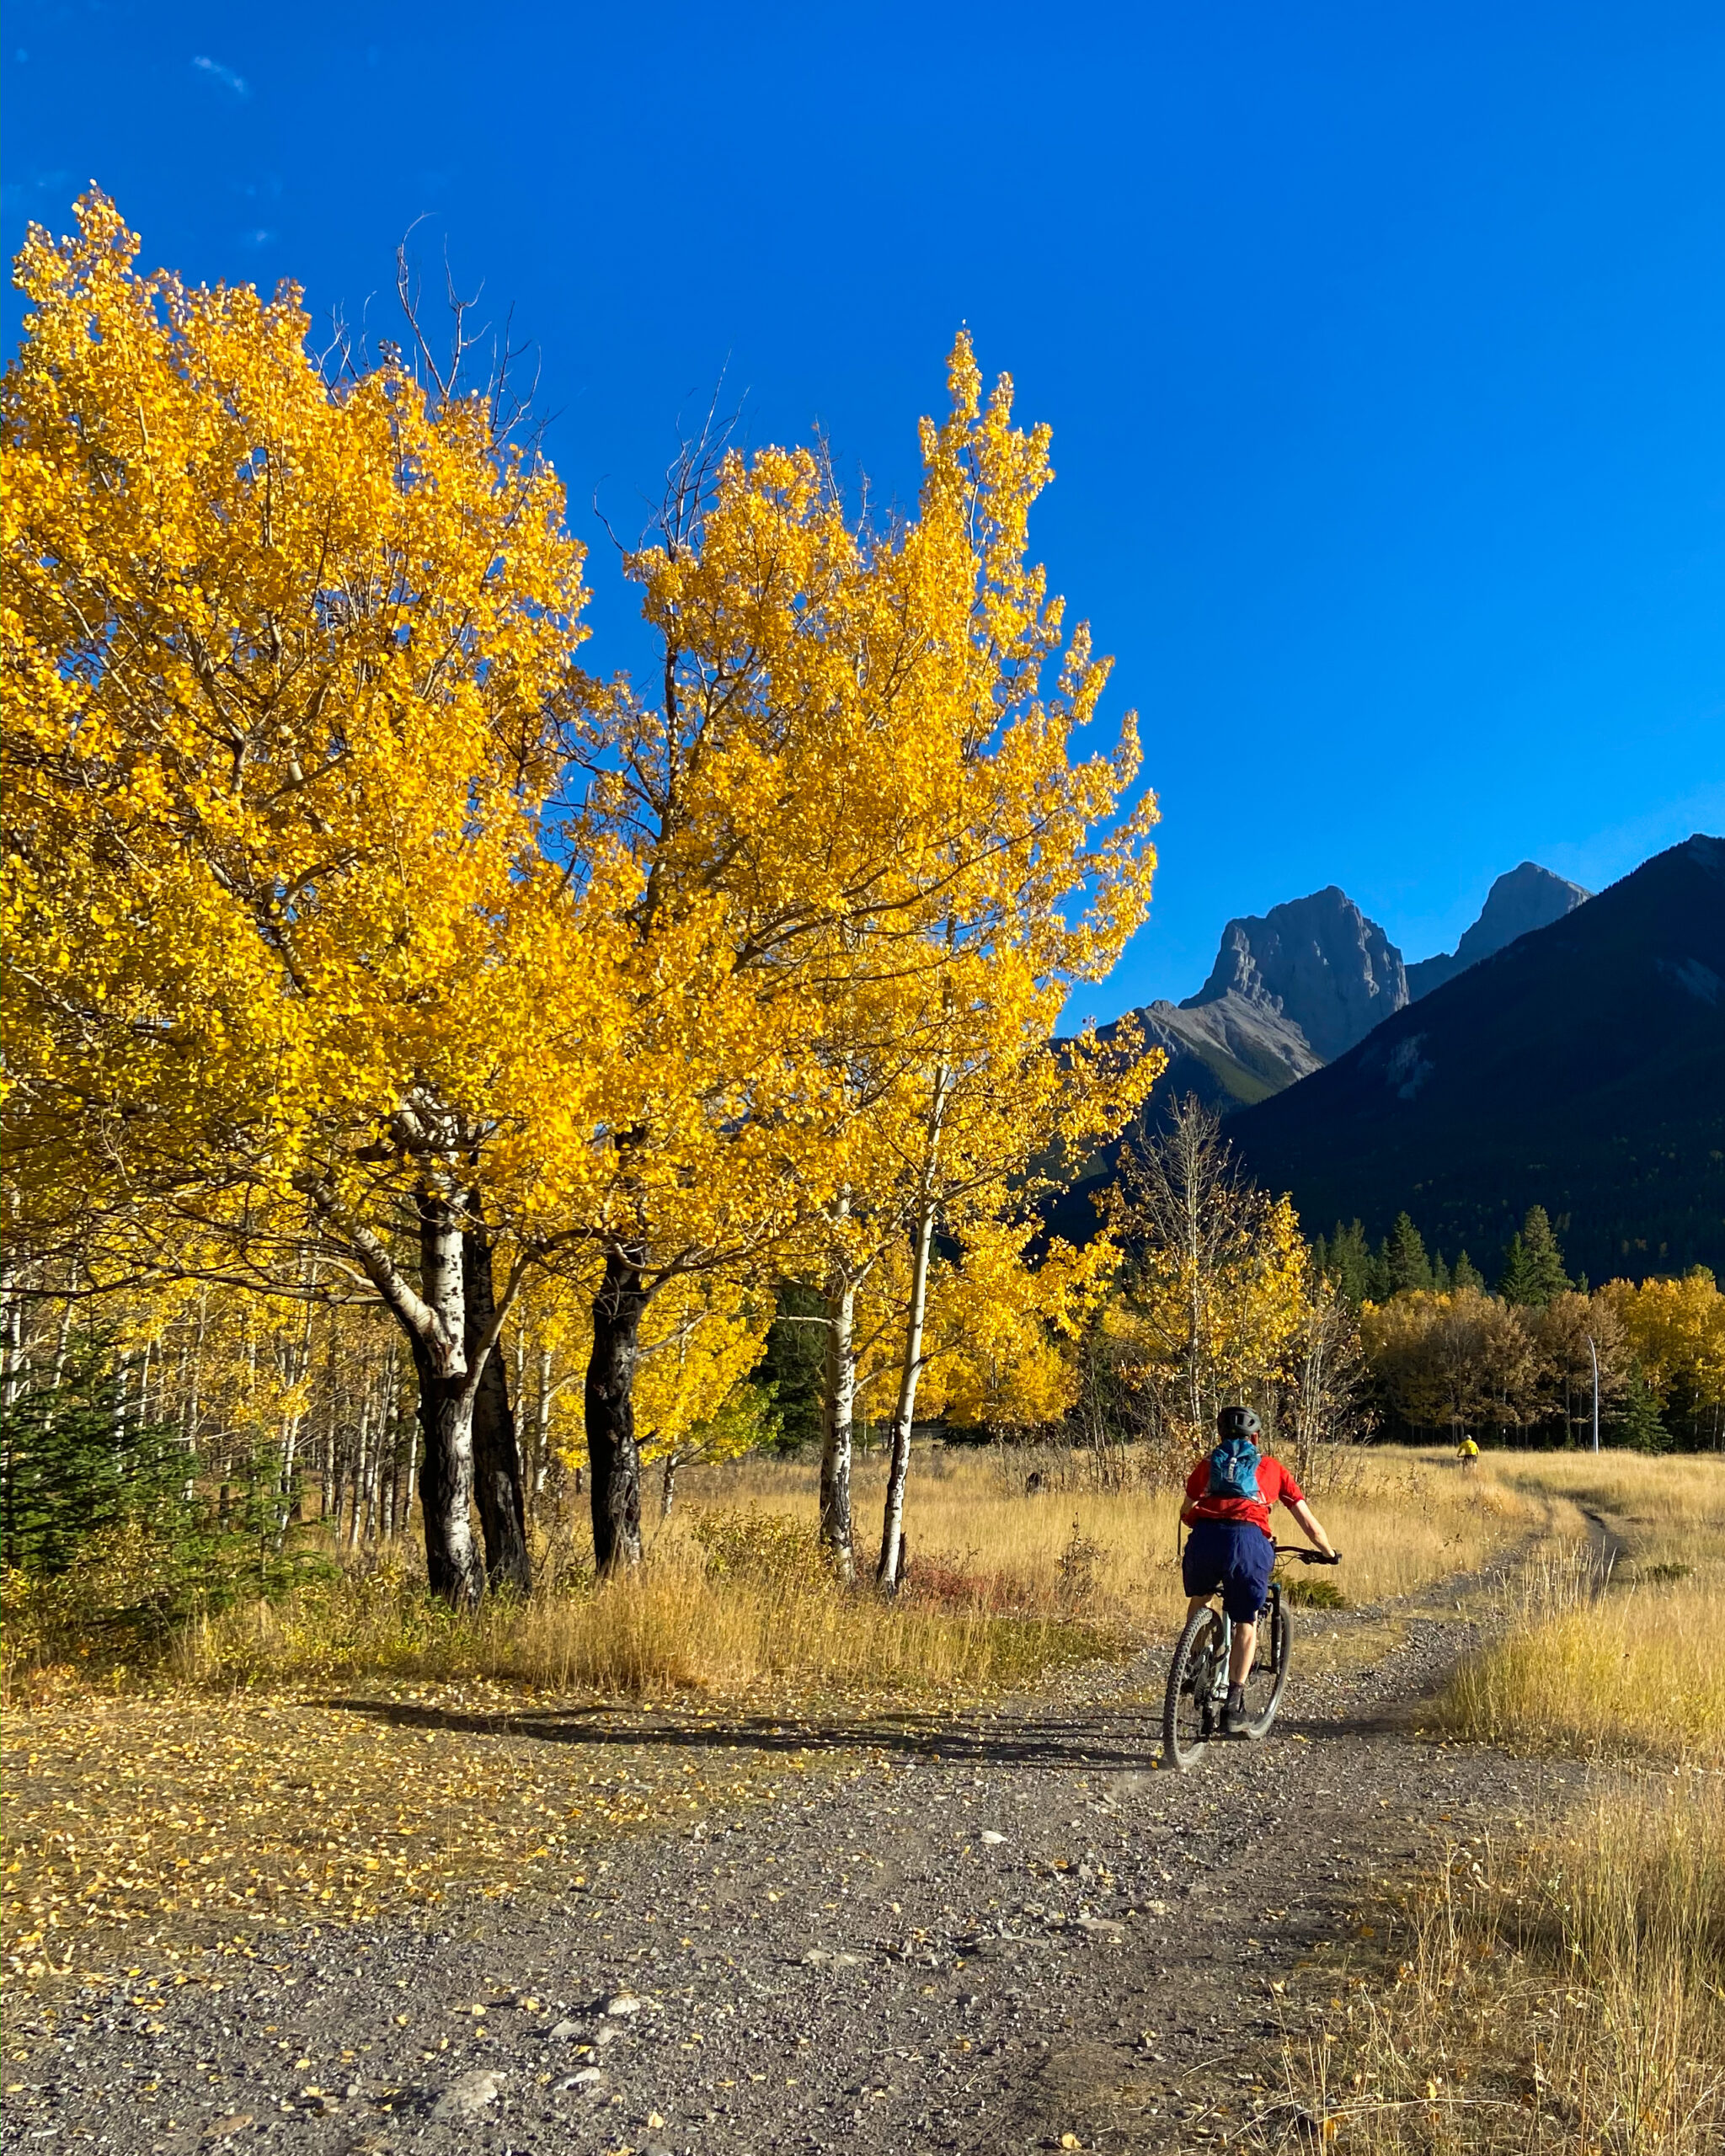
[(1519, 1364)]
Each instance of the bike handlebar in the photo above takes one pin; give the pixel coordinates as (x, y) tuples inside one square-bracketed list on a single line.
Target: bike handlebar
[(1307, 1556)]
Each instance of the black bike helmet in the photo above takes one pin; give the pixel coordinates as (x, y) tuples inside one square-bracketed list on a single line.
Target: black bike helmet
[(1239, 1422)]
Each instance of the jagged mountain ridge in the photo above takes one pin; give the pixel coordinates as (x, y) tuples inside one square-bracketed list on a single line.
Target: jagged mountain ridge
[(1317, 961), (1529, 897), (1293, 988), (1582, 1067)]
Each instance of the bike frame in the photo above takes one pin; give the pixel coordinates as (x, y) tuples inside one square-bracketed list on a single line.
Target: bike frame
[(1218, 1681)]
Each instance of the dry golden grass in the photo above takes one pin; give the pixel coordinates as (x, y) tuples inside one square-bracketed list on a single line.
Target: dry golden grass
[(1623, 1664), (1402, 1518), (1567, 1996), (1003, 1585), (674, 1630), (1638, 1670)]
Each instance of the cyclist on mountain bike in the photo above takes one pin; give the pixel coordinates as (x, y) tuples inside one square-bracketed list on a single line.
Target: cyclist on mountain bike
[(1229, 1495)]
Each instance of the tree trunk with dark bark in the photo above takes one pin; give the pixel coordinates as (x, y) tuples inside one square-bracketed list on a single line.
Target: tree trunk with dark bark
[(497, 1458), (611, 1450), (452, 1566)]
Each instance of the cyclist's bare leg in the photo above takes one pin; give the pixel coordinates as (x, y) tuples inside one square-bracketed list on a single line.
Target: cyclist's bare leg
[(1242, 1648)]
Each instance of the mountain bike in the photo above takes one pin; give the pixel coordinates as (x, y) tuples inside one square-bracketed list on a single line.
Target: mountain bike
[(1198, 1676)]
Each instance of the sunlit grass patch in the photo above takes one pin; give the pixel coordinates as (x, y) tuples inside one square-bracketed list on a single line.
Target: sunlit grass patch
[(1611, 1659), (1565, 1993), (1634, 1670)]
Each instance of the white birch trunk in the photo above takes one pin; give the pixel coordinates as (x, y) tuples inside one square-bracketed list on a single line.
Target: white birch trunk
[(840, 1410), (890, 1569)]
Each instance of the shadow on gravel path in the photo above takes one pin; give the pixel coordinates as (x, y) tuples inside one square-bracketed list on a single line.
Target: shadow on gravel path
[(1008, 1741)]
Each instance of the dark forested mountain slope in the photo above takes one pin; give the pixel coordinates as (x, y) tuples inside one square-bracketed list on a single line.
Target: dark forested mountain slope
[(1581, 1068)]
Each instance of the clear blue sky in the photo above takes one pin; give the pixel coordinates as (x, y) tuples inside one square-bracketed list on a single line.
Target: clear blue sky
[(1384, 346)]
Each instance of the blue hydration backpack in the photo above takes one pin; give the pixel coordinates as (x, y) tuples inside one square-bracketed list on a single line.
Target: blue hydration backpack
[(1233, 1471)]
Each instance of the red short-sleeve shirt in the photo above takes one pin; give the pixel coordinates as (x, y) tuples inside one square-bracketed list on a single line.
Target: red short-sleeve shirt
[(1273, 1480)]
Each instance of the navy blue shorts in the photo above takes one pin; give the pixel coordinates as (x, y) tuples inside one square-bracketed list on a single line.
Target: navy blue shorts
[(1235, 1557)]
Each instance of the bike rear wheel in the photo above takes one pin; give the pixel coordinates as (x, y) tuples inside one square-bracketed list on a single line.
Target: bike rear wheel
[(1189, 1709), (1269, 1670)]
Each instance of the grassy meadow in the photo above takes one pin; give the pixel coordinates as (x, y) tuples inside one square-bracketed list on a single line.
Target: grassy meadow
[(734, 1597)]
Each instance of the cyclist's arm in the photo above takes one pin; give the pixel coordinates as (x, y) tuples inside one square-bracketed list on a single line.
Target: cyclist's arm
[(1309, 1527)]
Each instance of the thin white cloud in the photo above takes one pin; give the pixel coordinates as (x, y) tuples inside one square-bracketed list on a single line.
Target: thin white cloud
[(218, 73)]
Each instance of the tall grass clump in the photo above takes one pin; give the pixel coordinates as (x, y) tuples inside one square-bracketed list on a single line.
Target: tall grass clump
[(1587, 1666), (692, 1621), (1569, 1997)]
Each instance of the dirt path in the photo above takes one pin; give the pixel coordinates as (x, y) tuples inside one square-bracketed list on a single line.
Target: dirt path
[(977, 1936)]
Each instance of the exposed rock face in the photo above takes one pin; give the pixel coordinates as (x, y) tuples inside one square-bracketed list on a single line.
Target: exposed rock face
[(1316, 961), (1293, 988), (1529, 897), (1261, 1042)]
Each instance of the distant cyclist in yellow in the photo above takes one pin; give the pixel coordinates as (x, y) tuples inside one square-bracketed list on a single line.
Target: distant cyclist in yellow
[(1467, 1452)]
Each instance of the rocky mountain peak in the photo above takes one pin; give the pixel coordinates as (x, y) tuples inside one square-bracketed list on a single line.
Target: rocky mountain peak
[(1524, 898), (1317, 961)]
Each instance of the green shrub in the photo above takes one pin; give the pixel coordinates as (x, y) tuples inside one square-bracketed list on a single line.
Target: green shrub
[(109, 1539), (1313, 1594)]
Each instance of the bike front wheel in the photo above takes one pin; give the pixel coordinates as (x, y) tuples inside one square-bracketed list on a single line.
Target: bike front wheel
[(1189, 1709), (1269, 1669)]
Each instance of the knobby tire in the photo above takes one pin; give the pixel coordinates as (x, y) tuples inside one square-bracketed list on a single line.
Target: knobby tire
[(1186, 1728), (1268, 1680)]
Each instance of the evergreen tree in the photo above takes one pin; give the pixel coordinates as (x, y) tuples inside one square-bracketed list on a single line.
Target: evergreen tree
[(1638, 1422), (1533, 1265), (1405, 1261), (1348, 1261), (1441, 1274), (1465, 1273), (793, 1370), (84, 1477), (74, 1467)]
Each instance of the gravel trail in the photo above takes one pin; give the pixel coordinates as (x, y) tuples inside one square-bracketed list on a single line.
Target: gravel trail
[(980, 1934)]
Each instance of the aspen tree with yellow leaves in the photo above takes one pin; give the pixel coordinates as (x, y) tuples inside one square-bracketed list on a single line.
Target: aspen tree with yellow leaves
[(1001, 1321), (847, 790), (1059, 880), (1675, 1328), (1218, 1306), (283, 660), (320, 990)]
